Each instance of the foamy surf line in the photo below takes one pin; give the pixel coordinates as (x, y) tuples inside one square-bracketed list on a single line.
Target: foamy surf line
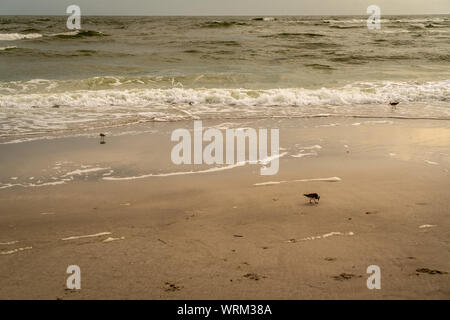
[(87, 236), (8, 243), (301, 155), (79, 172), (15, 250), (31, 185), (271, 183), (323, 236), (215, 169), (18, 36)]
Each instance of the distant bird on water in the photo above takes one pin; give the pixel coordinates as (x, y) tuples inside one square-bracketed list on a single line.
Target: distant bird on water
[(312, 196), (102, 138)]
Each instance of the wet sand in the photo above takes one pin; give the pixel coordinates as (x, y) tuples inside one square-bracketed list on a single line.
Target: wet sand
[(220, 235)]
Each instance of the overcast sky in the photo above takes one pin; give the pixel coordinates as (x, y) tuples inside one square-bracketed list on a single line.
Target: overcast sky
[(223, 7)]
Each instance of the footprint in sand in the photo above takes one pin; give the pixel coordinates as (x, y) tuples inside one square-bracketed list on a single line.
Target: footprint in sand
[(171, 287), (253, 276), (430, 271), (345, 276)]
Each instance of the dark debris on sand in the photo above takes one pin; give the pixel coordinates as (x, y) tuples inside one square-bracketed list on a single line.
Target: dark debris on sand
[(171, 287), (345, 276), (430, 271), (253, 276)]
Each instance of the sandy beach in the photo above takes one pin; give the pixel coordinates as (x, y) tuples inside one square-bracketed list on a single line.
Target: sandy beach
[(138, 232)]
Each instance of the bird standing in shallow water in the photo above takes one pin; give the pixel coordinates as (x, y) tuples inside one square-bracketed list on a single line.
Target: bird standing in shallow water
[(102, 138), (312, 196)]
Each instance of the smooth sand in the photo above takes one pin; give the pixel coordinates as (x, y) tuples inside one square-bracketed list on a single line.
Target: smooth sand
[(216, 235)]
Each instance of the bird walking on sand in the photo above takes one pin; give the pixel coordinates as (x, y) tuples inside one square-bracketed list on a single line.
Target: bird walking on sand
[(312, 196), (394, 105)]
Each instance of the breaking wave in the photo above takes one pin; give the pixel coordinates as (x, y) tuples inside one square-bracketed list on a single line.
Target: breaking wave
[(42, 105), (114, 95), (18, 36), (64, 35)]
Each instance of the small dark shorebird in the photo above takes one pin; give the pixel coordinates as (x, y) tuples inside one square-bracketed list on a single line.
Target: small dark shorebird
[(102, 138), (394, 105), (312, 196)]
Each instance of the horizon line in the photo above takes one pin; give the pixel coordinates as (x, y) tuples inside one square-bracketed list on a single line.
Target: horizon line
[(215, 15)]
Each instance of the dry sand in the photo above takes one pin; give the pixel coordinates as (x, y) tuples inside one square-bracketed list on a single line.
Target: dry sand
[(217, 235)]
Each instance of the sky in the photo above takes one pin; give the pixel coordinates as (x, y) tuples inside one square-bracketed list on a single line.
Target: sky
[(223, 7)]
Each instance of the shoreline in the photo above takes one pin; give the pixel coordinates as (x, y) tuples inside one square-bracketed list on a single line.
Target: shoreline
[(217, 235)]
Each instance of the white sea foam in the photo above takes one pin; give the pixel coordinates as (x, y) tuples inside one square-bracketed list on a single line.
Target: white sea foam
[(379, 122), (111, 239), (79, 172), (427, 226), (8, 243), (301, 155), (15, 250), (356, 93), (269, 183), (312, 147), (170, 174), (432, 162), (327, 235), (29, 185), (328, 125), (18, 36), (87, 236), (57, 108), (7, 48), (214, 169), (69, 33)]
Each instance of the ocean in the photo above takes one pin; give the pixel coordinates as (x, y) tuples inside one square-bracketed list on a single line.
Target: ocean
[(123, 70)]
